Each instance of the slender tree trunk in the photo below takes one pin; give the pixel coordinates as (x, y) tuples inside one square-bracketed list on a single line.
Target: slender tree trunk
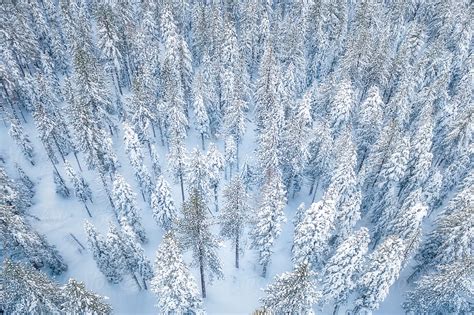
[(362, 161), (215, 198), (201, 270), (230, 171), (77, 160), (264, 270), (144, 284), (315, 191), (237, 155), (59, 148), (118, 81), (237, 251), (182, 186), (312, 186), (136, 281), (161, 135), (153, 129), (87, 208), (336, 309)]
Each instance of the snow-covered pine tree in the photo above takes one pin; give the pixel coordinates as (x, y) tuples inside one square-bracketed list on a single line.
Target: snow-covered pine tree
[(134, 151), (61, 188), (81, 188), (230, 154), (312, 234), (126, 208), (200, 110), (155, 161), (79, 300), (451, 239), (407, 226), (106, 258), (18, 134), (173, 283), (382, 269), (162, 204), (269, 217), (176, 127), (235, 214), (446, 291), (341, 107), (125, 247), (18, 237), (26, 290), (296, 144), (368, 123), (344, 183), (292, 292), (340, 274), (195, 235), (197, 174), (27, 186), (215, 162)]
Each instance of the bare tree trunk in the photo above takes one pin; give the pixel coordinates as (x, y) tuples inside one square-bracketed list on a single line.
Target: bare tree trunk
[(77, 160), (237, 251), (182, 186), (202, 142), (216, 203), (87, 208), (201, 270), (136, 281), (315, 191)]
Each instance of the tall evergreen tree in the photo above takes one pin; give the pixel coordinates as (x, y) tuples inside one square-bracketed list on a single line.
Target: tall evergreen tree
[(235, 214), (344, 266), (80, 300), (162, 204), (195, 235), (269, 218), (446, 291), (292, 292), (382, 270), (126, 208), (173, 283)]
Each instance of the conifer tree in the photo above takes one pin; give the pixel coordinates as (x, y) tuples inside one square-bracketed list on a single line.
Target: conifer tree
[(80, 300), (106, 258), (155, 161), (125, 247), (173, 283), (26, 290), (133, 149), (215, 162), (342, 269), (195, 235), (162, 204), (126, 208), (368, 123), (235, 216), (17, 133), (292, 292), (18, 237), (81, 188), (269, 218), (383, 268), (61, 188), (446, 291), (341, 107)]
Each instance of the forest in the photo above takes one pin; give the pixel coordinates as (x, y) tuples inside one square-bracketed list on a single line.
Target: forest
[(236, 157)]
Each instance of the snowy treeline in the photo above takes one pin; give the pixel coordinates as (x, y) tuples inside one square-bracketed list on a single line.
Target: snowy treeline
[(229, 122)]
